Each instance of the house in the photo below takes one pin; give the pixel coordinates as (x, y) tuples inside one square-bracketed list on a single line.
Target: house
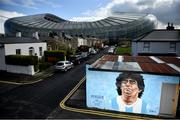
[(67, 41), (20, 46), (96, 42), (134, 84), (157, 42)]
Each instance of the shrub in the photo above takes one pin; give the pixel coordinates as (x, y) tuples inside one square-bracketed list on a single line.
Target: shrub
[(44, 66), (54, 55), (22, 60)]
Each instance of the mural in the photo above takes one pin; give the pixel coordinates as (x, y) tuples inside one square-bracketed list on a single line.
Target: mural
[(126, 92)]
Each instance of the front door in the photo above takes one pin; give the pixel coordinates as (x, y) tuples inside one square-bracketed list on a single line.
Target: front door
[(169, 96)]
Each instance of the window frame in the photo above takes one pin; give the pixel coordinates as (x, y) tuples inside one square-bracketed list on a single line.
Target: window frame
[(146, 46), (18, 51), (172, 46), (40, 51)]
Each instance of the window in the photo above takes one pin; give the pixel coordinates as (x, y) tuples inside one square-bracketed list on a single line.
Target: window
[(146, 46), (18, 51), (40, 51), (172, 46), (31, 51)]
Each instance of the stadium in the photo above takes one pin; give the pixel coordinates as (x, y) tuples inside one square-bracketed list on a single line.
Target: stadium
[(117, 27)]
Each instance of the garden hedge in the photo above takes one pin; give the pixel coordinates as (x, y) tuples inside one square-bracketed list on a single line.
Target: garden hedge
[(22, 60), (54, 55)]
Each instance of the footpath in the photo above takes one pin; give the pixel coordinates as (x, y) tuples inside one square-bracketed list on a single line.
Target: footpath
[(21, 79), (9, 81)]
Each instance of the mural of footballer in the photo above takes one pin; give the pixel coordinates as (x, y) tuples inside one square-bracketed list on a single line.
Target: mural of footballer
[(130, 87)]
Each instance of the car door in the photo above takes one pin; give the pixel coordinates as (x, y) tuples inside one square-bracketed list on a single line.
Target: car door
[(68, 64)]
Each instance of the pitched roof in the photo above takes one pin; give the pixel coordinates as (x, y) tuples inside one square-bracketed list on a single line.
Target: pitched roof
[(142, 64), (161, 35), (13, 40)]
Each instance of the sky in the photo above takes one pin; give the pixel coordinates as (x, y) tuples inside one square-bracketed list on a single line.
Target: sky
[(91, 10)]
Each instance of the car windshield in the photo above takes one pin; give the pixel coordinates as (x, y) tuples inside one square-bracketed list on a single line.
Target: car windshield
[(73, 58), (60, 64), (68, 62)]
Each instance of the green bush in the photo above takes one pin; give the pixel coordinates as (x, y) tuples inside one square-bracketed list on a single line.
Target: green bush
[(22, 60), (54, 55), (44, 66)]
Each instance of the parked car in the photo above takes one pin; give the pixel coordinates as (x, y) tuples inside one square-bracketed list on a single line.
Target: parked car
[(64, 65), (106, 46), (111, 50), (75, 59), (92, 51), (84, 55)]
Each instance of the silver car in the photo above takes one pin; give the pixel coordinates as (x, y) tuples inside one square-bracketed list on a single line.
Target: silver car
[(64, 65)]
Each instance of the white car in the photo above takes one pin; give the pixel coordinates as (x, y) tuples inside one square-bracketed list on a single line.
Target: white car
[(111, 50), (64, 65), (93, 51)]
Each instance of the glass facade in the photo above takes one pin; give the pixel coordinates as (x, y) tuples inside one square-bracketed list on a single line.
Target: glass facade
[(116, 27)]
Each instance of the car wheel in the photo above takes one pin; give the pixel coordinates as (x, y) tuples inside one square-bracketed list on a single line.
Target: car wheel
[(65, 69)]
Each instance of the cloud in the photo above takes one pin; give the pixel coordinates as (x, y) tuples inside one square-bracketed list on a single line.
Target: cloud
[(50, 3), (165, 10), (22, 3), (31, 3), (4, 15), (9, 14)]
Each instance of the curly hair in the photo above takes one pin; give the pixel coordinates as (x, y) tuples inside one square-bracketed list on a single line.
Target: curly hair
[(134, 76)]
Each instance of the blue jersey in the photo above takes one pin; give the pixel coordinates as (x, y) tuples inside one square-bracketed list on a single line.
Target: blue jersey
[(138, 107)]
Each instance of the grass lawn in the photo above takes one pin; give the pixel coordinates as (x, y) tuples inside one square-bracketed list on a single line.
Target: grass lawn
[(123, 51)]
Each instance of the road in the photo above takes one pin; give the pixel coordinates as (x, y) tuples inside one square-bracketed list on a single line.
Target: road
[(41, 99)]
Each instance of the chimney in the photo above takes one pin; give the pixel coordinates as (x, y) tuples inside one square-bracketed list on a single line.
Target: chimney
[(18, 34), (35, 35), (168, 27), (172, 27)]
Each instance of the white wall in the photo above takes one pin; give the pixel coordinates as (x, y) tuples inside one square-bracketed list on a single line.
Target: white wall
[(134, 49), (155, 47), (178, 48), (2, 59), (10, 49), (28, 70), (81, 41)]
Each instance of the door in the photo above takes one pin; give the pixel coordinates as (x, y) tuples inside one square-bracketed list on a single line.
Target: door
[(169, 96)]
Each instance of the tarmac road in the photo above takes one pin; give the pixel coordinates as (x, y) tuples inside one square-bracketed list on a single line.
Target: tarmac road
[(41, 99)]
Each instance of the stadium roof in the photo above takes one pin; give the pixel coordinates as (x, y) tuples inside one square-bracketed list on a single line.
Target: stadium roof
[(117, 27), (50, 21)]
